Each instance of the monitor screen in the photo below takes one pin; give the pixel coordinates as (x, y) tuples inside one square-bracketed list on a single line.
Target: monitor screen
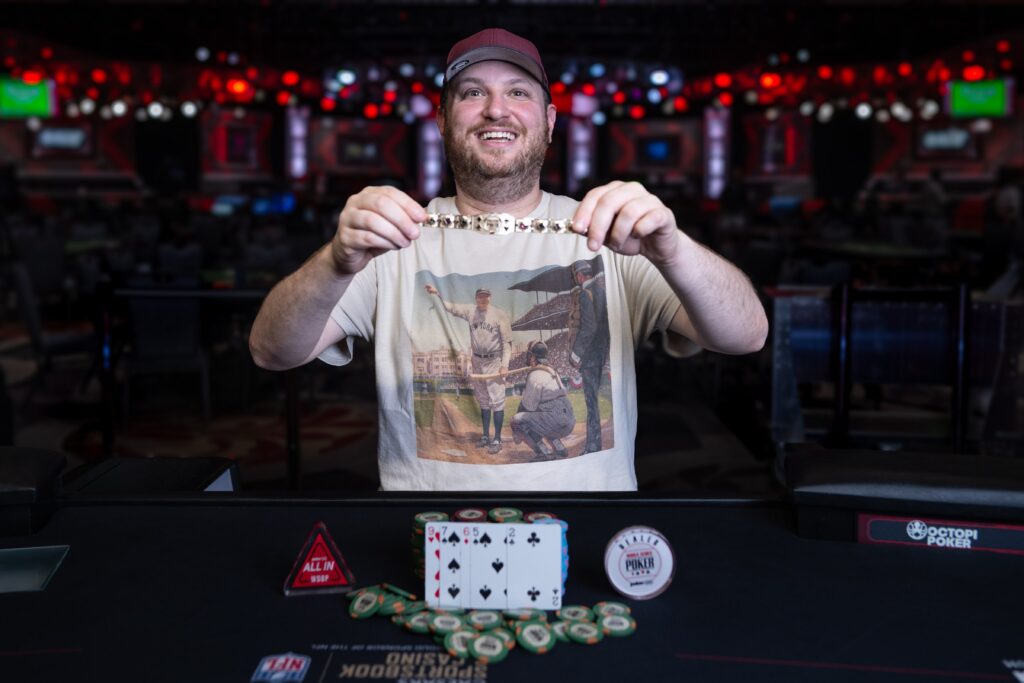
[(19, 99), (980, 98), (357, 150), (65, 140), (949, 142)]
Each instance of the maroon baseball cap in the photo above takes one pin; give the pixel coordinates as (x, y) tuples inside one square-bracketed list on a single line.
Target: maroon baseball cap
[(495, 44)]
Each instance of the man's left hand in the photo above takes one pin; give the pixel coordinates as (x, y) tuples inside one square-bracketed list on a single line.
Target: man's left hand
[(628, 219)]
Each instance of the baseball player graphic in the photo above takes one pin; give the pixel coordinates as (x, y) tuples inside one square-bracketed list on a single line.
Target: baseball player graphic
[(545, 412), (490, 340)]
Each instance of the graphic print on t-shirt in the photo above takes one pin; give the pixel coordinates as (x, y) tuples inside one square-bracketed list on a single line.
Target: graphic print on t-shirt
[(512, 367)]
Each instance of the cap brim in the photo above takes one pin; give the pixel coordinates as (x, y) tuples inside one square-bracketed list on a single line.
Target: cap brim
[(501, 54)]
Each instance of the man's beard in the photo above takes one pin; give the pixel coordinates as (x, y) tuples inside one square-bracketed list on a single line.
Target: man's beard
[(501, 181)]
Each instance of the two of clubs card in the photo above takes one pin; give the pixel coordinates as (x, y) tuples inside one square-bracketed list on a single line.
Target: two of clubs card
[(493, 566)]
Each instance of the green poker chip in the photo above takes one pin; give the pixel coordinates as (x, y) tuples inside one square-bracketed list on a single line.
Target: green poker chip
[(505, 635), (603, 609), (366, 605), (535, 516), (585, 632), (414, 606), (457, 642), (483, 620), (392, 604), (443, 624), (398, 591), (505, 515), (536, 637), (422, 519), (617, 625), (575, 613), (558, 628), (525, 614), (488, 648), (418, 623), (356, 592)]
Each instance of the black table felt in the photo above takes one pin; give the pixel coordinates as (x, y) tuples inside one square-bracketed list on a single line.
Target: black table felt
[(192, 591)]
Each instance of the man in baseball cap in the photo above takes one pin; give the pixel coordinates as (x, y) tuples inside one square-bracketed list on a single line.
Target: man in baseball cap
[(496, 120)]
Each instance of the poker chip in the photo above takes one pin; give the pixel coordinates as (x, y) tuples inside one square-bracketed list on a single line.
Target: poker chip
[(585, 632), (505, 635), (575, 613), (392, 604), (470, 515), (488, 648), (397, 591), (532, 517), (415, 606), (418, 623), (525, 614), (443, 624), (356, 592), (604, 609), (366, 605), (483, 620), (457, 642), (639, 562), (505, 515), (422, 519), (617, 625), (558, 628), (536, 637)]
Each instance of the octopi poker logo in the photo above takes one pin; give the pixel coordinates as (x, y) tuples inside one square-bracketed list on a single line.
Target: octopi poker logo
[(284, 668)]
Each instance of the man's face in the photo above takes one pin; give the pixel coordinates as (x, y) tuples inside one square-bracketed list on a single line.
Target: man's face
[(483, 301), (496, 124)]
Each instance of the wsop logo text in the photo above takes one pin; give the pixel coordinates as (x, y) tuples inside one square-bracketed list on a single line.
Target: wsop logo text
[(942, 536)]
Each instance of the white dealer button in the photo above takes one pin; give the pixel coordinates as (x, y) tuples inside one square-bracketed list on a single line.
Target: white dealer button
[(639, 562)]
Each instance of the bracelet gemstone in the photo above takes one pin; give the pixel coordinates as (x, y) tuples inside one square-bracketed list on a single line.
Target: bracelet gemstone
[(497, 223)]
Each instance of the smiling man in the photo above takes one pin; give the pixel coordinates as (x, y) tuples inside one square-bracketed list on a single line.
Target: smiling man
[(379, 278)]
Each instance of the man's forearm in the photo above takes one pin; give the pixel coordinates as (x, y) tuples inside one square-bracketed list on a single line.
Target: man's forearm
[(723, 310), (293, 317)]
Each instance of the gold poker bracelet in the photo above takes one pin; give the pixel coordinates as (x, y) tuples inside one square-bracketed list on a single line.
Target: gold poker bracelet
[(497, 223)]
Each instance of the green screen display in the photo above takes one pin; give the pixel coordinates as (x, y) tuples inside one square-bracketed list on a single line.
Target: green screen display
[(19, 99), (979, 98)]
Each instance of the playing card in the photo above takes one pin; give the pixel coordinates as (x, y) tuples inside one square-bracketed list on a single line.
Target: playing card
[(534, 565), (454, 585), (432, 564), (488, 565)]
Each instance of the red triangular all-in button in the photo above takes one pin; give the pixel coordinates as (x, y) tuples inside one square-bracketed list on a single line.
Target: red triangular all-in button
[(319, 568)]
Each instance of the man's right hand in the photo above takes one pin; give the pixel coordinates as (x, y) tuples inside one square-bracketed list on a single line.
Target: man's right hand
[(374, 221)]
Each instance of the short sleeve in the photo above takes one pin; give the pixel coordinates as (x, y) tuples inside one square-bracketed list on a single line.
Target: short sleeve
[(651, 302), (354, 313)]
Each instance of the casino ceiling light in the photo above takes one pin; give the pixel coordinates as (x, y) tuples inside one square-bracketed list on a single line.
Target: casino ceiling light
[(825, 112), (87, 106), (659, 77), (189, 109), (863, 110), (346, 76), (202, 53), (807, 108), (929, 109), (118, 108), (901, 112), (155, 110)]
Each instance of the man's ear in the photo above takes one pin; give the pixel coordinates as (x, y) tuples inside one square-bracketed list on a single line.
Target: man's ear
[(551, 122), (440, 120)]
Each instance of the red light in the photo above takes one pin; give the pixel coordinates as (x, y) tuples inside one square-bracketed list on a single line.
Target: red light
[(8, 61), (847, 75), (558, 88), (46, 53), (417, 87), (968, 56), (588, 89), (723, 80), (371, 111), (905, 69), (1003, 46), (99, 76), (93, 93), (32, 77), (770, 80), (283, 97), (681, 104), (290, 78), (327, 104), (974, 73), (824, 72), (880, 74), (236, 86), (252, 73), (636, 111), (1006, 65), (390, 95), (726, 99), (619, 97), (385, 109), (944, 74)]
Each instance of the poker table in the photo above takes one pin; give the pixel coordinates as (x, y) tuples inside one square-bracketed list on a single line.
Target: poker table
[(189, 588)]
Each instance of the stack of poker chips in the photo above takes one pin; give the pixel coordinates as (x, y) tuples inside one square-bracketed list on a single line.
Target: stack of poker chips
[(488, 636), (499, 515)]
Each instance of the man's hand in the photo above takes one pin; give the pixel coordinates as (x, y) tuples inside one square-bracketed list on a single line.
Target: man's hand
[(629, 220), (375, 221), (431, 289)]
